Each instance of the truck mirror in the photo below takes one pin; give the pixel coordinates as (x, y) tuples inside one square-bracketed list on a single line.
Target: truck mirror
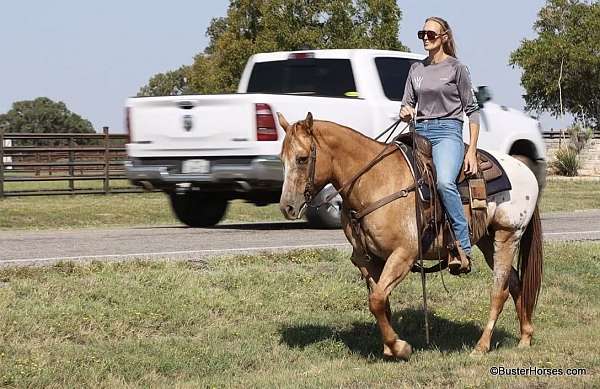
[(483, 95)]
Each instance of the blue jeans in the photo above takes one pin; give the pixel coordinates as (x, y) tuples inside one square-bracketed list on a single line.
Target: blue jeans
[(445, 136)]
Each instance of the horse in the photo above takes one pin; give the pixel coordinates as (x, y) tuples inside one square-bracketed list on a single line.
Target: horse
[(315, 153)]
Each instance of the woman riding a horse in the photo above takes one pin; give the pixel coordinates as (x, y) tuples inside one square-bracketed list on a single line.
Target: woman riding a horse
[(378, 190), (440, 88)]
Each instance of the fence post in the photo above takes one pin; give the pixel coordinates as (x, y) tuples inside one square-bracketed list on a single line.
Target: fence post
[(71, 167), (1, 162), (106, 160)]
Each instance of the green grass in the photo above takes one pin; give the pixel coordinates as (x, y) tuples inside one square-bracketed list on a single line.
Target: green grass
[(64, 212), (565, 196), (296, 319), (81, 211)]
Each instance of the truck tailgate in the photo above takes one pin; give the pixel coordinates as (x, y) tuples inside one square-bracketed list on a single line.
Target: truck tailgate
[(198, 125)]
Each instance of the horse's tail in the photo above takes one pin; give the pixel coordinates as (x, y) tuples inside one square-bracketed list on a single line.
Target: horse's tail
[(531, 263)]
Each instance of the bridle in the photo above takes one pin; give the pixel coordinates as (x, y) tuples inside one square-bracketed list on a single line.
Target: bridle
[(309, 188)]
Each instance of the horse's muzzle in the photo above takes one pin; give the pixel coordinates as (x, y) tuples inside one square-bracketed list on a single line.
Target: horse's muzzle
[(292, 212)]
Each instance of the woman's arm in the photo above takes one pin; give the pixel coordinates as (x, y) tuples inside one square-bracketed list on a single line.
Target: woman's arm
[(407, 110), (471, 108)]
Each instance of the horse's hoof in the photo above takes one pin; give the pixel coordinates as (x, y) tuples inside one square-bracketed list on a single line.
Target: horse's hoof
[(387, 351), (478, 352), (524, 344), (400, 350)]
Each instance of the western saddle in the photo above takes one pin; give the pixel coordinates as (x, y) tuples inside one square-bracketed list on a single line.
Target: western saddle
[(490, 179)]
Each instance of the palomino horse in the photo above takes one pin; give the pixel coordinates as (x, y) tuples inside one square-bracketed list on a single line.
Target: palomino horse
[(390, 232)]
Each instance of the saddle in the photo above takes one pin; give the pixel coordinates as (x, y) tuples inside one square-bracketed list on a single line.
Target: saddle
[(490, 179)]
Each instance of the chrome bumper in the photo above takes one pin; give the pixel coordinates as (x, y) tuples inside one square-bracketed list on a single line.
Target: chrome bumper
[(261, 169)]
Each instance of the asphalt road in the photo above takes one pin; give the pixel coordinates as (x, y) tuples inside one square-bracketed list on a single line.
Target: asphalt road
[(177, 242)]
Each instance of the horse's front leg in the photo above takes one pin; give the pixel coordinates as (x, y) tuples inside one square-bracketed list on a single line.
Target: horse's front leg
[(396, 267), (371, 270)]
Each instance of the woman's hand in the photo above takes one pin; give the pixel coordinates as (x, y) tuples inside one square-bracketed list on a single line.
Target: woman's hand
[(471, 161), (407, 113)]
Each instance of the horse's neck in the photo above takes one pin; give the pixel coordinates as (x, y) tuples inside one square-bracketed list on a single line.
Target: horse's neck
[(351, 152)]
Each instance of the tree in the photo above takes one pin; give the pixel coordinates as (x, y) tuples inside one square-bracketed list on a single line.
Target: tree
[(174, 82), (253, 26), (43, 115), (561, 67)]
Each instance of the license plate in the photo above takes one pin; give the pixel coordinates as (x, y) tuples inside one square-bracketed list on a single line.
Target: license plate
[(197, 166)]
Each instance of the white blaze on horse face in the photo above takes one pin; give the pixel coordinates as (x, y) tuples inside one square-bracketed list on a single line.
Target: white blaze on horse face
[(292, 192), (286, 160), (514, 208)]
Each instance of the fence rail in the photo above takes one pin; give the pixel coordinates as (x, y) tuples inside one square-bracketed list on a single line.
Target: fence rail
[(561, 134), (30, 158)]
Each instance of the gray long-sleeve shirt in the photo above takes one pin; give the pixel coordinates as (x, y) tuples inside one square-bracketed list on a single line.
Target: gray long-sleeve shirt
[(443, 90)]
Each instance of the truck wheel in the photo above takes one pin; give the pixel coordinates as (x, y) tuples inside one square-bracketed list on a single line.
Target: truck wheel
[(325, 216), (197, 209)]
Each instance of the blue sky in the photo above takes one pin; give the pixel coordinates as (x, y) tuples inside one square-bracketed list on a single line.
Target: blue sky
[(94, 54)]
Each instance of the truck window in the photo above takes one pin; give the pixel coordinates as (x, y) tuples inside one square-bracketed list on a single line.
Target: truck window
[(392, 74), (311, 76)]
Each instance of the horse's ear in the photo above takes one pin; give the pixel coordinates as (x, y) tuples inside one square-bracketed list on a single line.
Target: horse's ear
[(282, 122), (308, 122)]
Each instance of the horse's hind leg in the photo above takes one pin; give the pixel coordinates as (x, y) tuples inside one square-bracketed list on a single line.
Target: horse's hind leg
[(486, 246), (396, 267), (499, 256)]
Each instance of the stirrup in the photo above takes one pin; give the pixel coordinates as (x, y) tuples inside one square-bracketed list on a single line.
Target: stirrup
[(458, 261)]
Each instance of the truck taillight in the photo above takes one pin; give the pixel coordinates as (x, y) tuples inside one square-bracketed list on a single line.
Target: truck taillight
[(128, 123), (265, 123), (304, 55)]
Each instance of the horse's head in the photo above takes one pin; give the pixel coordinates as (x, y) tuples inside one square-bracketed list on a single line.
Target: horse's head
[(305, 174)]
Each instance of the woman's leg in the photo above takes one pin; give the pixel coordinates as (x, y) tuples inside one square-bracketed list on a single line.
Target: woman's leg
[(448, 156)]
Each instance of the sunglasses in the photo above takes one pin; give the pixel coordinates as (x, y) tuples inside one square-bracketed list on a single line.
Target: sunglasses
[(431, 35)]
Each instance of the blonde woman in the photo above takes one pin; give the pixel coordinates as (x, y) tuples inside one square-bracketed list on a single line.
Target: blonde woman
[(440, 89)]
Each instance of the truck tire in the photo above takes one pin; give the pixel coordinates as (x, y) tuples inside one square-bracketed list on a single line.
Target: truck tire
[(196, 209), (325, 216)]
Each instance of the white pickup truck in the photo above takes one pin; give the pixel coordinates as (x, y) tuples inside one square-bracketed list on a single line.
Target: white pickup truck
[(205, 150)]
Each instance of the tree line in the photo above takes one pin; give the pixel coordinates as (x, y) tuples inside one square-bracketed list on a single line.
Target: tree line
[(560, 67)]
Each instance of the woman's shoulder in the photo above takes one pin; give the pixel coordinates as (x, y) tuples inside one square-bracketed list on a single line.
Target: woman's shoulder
[(417, 64), (456, 63)]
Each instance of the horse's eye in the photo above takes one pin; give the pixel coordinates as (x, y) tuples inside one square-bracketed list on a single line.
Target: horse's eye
[(302, 160)]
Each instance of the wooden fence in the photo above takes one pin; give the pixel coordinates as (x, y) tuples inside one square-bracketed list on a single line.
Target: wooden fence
[(562, 134), (68, 158)]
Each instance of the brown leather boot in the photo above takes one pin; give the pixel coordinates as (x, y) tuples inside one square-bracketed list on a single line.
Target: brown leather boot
[(458, 261)]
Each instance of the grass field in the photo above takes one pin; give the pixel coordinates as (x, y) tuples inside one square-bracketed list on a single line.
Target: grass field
[(63, 212), (562, 195), (285, 320)]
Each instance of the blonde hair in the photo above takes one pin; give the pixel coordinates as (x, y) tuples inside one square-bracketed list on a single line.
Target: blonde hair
[(449, 46)]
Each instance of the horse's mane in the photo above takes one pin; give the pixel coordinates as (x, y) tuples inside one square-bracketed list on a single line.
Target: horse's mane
[(361, 135)]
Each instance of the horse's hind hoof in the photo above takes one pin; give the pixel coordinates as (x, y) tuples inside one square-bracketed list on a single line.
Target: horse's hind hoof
[(400, 350), (524, 344), (477, 353)]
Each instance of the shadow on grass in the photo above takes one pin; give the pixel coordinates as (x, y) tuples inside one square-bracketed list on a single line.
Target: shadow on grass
[(364, 338)]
